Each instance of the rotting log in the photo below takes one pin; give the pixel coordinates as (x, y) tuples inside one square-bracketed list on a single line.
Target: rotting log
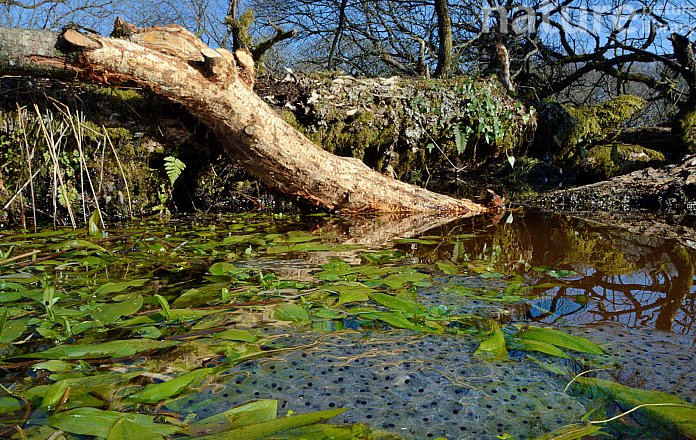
[(215, 86)]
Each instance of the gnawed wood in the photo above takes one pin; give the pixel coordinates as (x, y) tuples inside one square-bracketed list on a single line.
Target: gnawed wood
[(173, 63)]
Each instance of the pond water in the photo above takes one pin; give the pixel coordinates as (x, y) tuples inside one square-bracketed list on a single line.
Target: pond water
[(422, 327)]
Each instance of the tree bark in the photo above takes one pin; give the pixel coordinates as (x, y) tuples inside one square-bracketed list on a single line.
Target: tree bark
[(444, 35), (215, 87)]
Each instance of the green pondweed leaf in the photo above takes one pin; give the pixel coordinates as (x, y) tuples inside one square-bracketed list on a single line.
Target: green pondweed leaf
[(560, 273), (225, 268), (350, 292), (120, 286), (415, 241), (572, 432), (290, 312), (494, 345), (121, 348), (77, 243), (111, 312), (158, 392), (661, 407), (12, 329), (55, 395), (54, 366), (300, 237), (126, 429), (560, 339), (397, 280), (98, 423), (447, 268), (166, 310), (396, 303), (542, 347), (321, 431), (10, 404), (337, 270), (94, 223), (244, 415), (307, 247), (3, 321), (397, 320), (234, 334), (276, 426)]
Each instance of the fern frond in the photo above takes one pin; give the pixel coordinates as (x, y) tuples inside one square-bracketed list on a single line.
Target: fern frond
[(173, 167)]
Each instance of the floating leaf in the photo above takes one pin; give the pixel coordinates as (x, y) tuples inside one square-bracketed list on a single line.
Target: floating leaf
[(543, 347), (54, 395), (244, 415), (399, 304), (307, 247), (414, 241), (120, 286), (77, 243), (111, 312), (447, 268), (395, 319), (126, 429), (397, 280), (350, 293), (12, 329), (494, 345), (276, 426), (10, 404), (98, 423), (661, 407), (290, 312), (54, 366), (224, 268), (234, 334), (158, 392), (560, 273), (560, 339), (572, 432), (122, 348)]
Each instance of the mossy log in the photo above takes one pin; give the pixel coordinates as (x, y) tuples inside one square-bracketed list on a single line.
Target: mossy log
[(671, 188), (407, 127), (575, 130), (215, 86)]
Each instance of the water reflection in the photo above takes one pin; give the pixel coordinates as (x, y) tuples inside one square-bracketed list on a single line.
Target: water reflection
[(619, 276)]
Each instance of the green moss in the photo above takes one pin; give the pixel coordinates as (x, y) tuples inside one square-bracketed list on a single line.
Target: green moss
[(243, 24), (606, 161), (408, 127), (120, 95), (591, 125), (688, 130)]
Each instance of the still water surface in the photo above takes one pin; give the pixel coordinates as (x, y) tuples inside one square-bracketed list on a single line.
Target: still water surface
[(634, 295)]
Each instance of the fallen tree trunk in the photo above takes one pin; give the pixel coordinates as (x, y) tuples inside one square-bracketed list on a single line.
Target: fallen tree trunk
[(215, 86)]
